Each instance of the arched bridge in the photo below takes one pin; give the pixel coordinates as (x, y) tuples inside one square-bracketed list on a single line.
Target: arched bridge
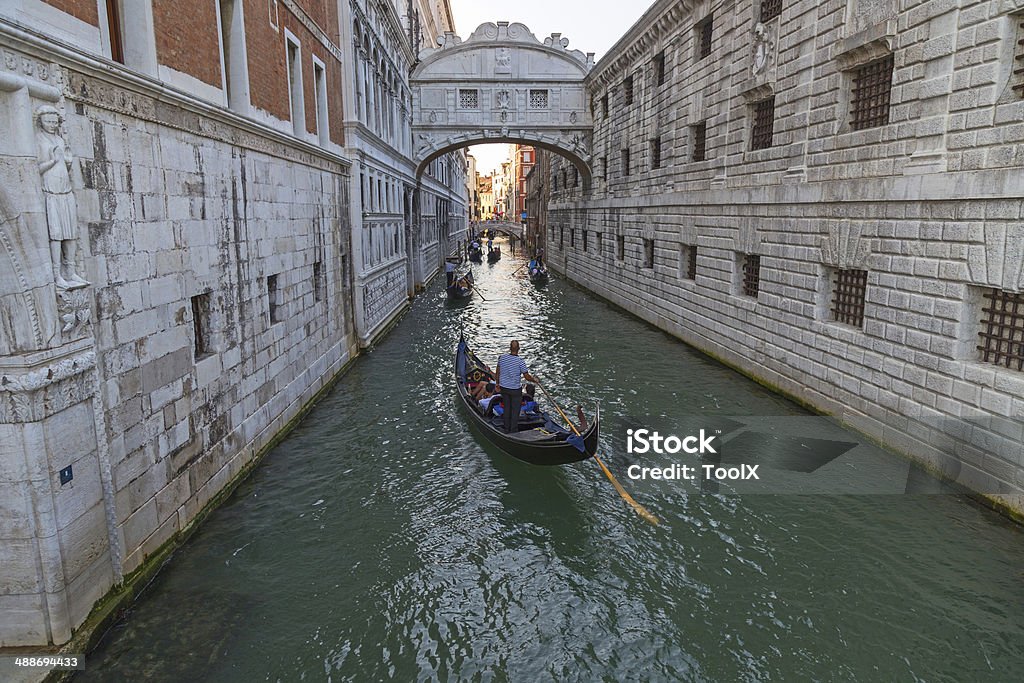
[(506, 228), (502, 84)]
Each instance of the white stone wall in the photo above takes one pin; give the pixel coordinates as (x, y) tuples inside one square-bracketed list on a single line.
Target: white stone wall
[(929, 204)]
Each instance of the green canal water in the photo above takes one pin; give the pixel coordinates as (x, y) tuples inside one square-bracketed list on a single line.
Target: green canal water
[(382, 541)]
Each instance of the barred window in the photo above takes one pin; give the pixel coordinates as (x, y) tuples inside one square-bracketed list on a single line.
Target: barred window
[(469, 99), (201, 326), (704, 30), (688, 261), (1002, 329), (659, 68), (648, 253), (627, 89), (575, 176), (597, 242), (751, 274), (1018, 70), (572, 237), (620, 247), (869, 99), (604, 168), (604, 105), (625, 161), (584, 240), (538, 99), (849, 289), (561, 237), (656, 153), (700, 141), (770, 9), (764, 124)]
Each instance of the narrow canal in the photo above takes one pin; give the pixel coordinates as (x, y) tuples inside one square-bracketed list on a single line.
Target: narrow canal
[(382, 541)]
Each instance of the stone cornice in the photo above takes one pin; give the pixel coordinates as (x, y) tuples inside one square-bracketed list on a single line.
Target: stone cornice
[(109, 85), (662, 18)]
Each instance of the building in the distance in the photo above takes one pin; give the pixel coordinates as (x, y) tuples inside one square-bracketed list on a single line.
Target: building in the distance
[(525, 158), (485, 187)]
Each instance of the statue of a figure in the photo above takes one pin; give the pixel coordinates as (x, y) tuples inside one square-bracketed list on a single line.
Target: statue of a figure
[(61, 215)]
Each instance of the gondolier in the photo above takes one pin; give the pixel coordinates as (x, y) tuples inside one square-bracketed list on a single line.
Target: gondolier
[(449, 271), (510, 373)]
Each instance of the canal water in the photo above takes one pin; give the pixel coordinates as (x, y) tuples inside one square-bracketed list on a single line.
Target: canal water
[(382, 541)]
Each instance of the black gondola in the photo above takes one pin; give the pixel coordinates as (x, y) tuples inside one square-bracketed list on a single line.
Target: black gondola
[(462, 288), (541, 440), (475, 254), (539, 277), (494, 255)]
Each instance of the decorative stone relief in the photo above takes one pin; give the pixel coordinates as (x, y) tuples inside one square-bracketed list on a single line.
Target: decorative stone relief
[(74, 311), (503, 60), (503, 99), (55, 162), (29, 396), (845, 247), (763, 49)]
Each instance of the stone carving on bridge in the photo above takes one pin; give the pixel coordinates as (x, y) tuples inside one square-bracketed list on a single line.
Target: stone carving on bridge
[(55, 164), (503, 99), (503, 60)]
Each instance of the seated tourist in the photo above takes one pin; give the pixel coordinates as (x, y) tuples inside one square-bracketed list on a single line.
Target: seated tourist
[(529, 401), (483, 390)]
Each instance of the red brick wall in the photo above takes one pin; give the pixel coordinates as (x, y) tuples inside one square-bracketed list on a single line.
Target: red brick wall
[(187, 38), (80, 9)]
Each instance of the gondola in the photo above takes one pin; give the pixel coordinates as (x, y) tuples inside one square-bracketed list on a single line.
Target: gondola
[(541, 440), (457, 292), (539, 277), (475, 255), (494, 255)]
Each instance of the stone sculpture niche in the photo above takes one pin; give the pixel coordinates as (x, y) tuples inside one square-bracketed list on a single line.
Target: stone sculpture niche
[(55, 161)]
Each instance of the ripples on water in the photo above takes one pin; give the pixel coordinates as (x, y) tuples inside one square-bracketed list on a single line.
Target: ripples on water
[(382, 541)]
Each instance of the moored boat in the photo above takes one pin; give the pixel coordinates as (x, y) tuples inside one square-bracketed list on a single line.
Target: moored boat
[(541, 439)]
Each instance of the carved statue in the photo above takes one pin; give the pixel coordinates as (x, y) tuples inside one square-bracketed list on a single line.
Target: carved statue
[(61, 215), (504, 98), (503, 59)]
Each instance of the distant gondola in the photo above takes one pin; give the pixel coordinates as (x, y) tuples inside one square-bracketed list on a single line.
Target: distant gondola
[(539, 441), (494, 255), (539, 277), (475, 254), (462, 288)]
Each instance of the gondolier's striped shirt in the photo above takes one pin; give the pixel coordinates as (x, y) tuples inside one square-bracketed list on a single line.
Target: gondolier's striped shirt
[(512, 369)]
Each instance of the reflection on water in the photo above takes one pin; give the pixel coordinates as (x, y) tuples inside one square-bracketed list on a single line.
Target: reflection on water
[(382, 541)]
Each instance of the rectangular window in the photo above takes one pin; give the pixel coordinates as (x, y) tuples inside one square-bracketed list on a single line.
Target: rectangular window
[(318, 281), (849, 288), (688, 261), (561, 237), (648, 253), (751, 274), (1018, 70), (1002, 329), (703, 31), (584, 240), (114, 30), (604, 105), (656, 153), (770, 9), (700, 141), (575, 176), (625, 161), (659, 69), (538, 99), (764, 124), (597, 242), (272, 299), (296, 100), (527, 158), (627, 90), (604, 168), (869, 98), (469, 99), (620, 247), (201, 325), (572, 237), (320, 85)]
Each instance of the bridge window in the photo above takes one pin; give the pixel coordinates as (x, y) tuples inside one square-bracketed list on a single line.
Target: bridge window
[(869, 98), (659, 68), (627, 90), (538, 99), (770, 9), (703, 32), (469, 99), (699, 135), (625, 161), (764, 124)]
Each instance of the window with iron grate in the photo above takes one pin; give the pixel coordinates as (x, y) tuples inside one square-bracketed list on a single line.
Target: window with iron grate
[(659, 68), (688, 261), (648, 253), (849, 291), (700, 141), (572, 237), (584, 240), (704, 31), (1002, 329), (764, 124), (627, 90), (751, 275), (538, 99), (870, 94), (604, 105), (625, 161), (1018, 59), (597, 242), (319, 282), (656, 153), (770, 9), (469, 99), (620, 247)]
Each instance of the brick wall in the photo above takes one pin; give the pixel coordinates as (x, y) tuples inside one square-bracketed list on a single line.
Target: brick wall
[(86, 10), (187, 40)]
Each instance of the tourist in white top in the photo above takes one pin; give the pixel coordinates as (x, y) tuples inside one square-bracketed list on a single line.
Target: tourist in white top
[(509, 376)]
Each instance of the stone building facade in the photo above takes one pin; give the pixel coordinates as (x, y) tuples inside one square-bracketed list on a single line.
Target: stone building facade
[(827, 196), (203, 217)]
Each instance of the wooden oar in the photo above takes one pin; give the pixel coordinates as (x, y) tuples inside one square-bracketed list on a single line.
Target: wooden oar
[(517, 269), (640, 509)]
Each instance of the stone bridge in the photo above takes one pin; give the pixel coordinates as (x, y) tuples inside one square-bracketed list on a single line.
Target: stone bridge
[(502, 85)]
